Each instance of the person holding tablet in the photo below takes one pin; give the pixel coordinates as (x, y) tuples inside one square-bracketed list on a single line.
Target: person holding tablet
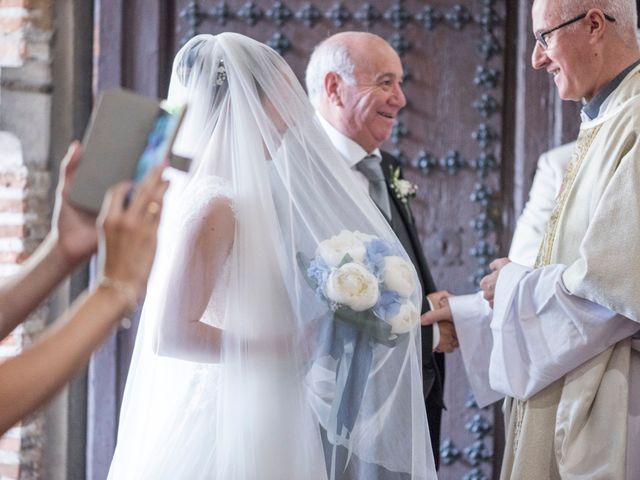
[(127, 239)]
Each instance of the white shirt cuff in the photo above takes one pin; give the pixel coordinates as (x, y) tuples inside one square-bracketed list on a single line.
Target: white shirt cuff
[(436, 329), (471, 317)]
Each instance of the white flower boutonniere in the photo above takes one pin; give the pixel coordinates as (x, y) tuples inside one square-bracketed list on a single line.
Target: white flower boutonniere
[(404, 189)]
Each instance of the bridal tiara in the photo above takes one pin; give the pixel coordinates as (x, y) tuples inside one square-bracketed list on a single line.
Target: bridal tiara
[(221, 73)]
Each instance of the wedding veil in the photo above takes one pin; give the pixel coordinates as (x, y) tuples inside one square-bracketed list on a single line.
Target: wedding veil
[(301, 298)]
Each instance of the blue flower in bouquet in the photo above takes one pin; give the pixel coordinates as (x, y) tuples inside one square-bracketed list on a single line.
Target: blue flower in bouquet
[(388, 304), (376, 251), (399, 312), (319, 272)]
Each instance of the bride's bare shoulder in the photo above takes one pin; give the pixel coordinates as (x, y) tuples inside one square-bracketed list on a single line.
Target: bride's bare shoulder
[(216, 216), (219, 212)]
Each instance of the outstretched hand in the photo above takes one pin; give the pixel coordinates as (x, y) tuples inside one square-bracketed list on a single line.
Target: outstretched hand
[(441, 314), (488, 283), (129, 234), (440, 311), (74, 230)]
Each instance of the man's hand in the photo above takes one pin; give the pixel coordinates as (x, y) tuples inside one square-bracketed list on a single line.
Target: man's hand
[(488, 283), (441, 314), (74, 230), (436, 299), (448, 337), (440, 309)]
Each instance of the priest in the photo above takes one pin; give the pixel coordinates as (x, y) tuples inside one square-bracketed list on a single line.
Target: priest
[(562, 342)]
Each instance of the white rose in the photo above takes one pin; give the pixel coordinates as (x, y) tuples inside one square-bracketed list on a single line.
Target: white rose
[(406, 319), (398, 275), (335, 248), (354, 286), (405, 188)]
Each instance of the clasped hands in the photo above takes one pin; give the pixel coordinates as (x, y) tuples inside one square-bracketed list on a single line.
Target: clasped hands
[(441, 312)]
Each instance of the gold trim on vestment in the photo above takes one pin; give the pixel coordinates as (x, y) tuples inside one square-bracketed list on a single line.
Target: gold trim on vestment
[(583, 144)]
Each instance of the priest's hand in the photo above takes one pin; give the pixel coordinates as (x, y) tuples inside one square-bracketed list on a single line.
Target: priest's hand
[(448, 337), (488, 283)]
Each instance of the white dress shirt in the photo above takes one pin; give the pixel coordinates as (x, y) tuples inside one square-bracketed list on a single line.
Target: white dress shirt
[(352, 154), (350, 151)]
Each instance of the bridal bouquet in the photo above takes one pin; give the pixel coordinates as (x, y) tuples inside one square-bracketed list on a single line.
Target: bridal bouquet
[(367, 288)]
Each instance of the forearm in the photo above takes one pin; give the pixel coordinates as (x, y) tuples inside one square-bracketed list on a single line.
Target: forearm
[(194, 341), (33, 377), (541, 331), (198, 271), (23, 292)]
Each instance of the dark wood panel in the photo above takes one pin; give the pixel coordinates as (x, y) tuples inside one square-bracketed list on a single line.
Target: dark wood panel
[(108, 44), (146, 43)]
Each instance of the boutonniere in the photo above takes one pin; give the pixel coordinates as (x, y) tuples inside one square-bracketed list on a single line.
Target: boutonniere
[(404, 189)]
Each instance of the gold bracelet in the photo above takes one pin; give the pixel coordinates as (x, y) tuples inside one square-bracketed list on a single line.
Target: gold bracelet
[(123, 289)]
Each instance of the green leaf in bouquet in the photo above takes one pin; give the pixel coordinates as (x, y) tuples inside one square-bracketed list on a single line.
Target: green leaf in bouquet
[(346, 259), (303, 264), (367, 322)]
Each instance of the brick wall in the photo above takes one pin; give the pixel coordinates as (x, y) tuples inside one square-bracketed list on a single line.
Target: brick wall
[(25, 184)]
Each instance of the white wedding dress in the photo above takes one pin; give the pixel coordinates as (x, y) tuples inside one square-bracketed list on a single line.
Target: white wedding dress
[(164, 392), (229, 378), (174, 393)]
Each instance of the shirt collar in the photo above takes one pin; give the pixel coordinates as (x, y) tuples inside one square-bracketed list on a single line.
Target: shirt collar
[(350, 150), (592, 109)]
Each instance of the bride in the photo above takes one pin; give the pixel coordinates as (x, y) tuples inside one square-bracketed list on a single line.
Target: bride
[(278, 339)]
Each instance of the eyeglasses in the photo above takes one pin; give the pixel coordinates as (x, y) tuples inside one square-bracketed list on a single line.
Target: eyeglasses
[(541, 34)]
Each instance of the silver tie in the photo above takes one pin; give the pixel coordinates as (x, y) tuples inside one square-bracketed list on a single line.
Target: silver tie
[(370, 167)]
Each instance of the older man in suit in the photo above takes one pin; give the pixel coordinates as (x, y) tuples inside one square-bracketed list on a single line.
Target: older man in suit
[(354, 81)]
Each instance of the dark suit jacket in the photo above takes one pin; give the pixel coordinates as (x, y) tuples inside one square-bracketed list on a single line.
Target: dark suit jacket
[(404, 226)]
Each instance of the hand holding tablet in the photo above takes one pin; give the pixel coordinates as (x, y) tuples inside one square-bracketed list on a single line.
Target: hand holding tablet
[(128, 134)]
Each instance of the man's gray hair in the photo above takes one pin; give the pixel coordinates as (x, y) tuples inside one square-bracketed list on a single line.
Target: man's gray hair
[(328, 56), (624, 11)]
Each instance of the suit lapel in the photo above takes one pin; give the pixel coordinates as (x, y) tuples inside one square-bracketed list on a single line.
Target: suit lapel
[(400, 205), (410, 226)]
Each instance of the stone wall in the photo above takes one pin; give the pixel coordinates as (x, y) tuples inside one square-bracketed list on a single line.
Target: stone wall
[(25, 182)]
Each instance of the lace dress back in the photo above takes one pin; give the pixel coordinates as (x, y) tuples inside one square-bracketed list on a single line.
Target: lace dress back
[(204, 193), (175, 391)]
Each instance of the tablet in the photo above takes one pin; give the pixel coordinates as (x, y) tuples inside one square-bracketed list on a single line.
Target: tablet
[(127, 135)]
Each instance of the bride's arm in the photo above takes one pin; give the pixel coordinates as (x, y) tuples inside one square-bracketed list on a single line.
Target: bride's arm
[(196, 271)]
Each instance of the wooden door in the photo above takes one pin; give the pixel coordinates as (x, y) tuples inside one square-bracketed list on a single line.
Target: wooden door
[(476, 120), (448, 137)]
